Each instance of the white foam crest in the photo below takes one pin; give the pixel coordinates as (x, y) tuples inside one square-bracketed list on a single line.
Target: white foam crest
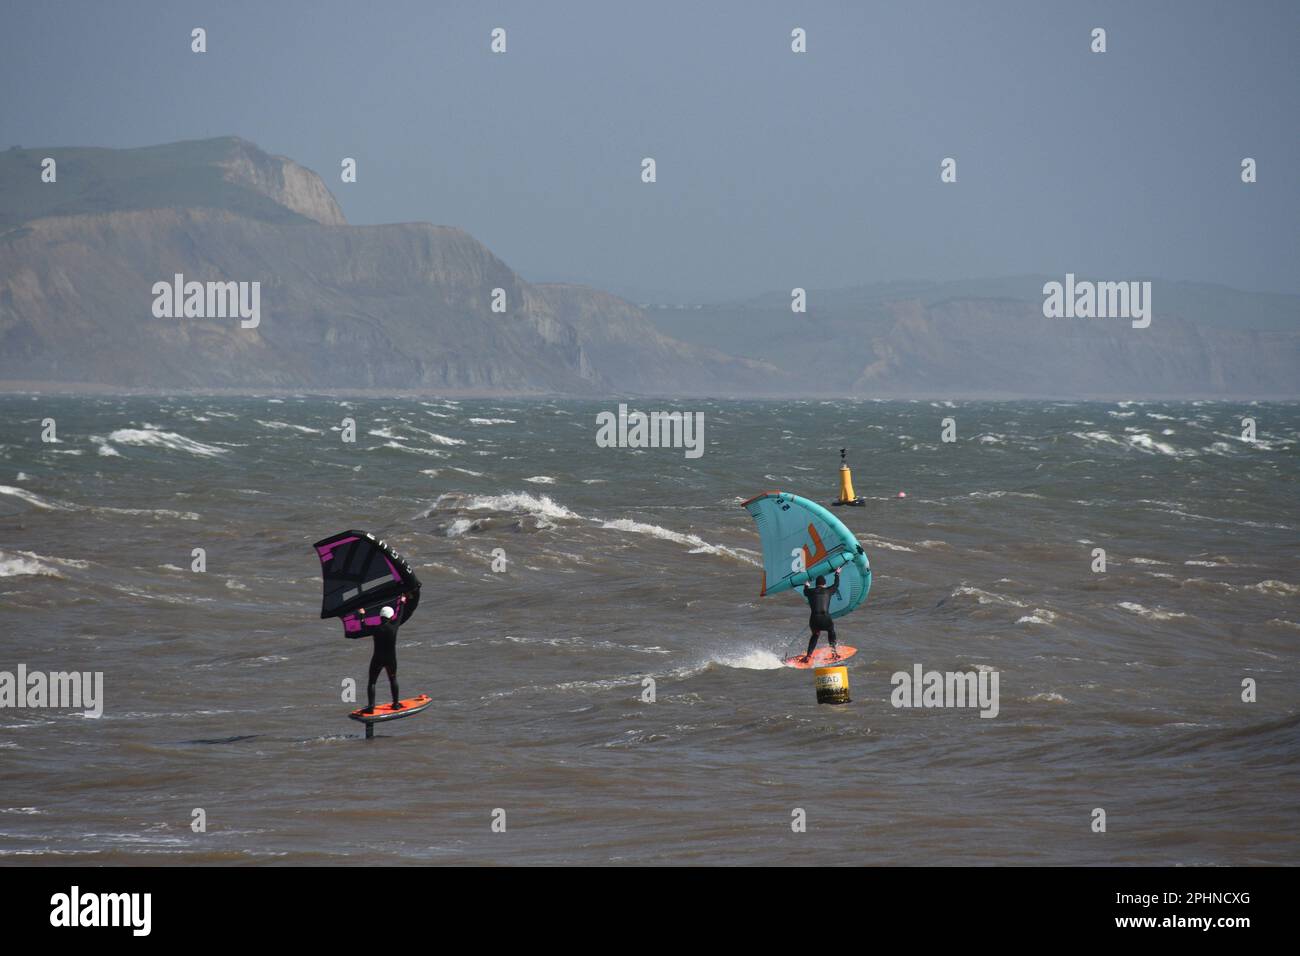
[(173, 441), (162, 512), (1154, 614), (882, 544), (34, 499), (15, 565), (48, 505), (1275, 588), (519, 502), (1039, 616), (987, 597), (697, 544), (750, 659), (1097, 438), (414, 451), (289, 425), (1145, 442)]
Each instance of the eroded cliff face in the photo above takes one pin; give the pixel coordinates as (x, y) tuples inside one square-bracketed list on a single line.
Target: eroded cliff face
[(227, 173), (369, 307), (405, 306), (409, 306), (281, 180)]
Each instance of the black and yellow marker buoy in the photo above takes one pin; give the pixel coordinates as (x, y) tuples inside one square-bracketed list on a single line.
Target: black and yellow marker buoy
[(847, 497), (832, 685)]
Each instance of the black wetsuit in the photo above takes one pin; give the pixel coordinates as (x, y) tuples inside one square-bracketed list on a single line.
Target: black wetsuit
[(384, 658), (819, 603)]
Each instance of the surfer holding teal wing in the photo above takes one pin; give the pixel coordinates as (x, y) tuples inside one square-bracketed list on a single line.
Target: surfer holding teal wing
[(803, 542), (819, 618)]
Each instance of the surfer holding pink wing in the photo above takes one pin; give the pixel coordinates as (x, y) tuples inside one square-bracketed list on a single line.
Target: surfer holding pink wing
[(360, 570), (384, 658)]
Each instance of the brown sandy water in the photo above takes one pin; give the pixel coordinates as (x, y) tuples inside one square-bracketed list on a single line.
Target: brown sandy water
[(222, 689)]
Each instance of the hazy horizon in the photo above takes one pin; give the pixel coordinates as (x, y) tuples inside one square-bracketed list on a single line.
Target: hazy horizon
[(775, 169)]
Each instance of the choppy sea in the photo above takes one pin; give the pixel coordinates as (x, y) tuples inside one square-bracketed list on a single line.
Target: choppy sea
[(1119, 690)]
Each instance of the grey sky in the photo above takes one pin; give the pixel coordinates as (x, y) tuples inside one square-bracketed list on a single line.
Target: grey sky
[(775, 169)]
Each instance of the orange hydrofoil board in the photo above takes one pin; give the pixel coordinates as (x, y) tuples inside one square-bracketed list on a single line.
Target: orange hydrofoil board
[(822, 657), (382, 712)]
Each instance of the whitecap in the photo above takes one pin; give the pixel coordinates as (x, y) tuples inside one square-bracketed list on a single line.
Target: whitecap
[(169, 440), (283, 425), (1154, 614), (697, 544)]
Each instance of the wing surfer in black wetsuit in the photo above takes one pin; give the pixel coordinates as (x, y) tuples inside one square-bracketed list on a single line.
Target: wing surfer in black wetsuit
[(384, 657), (819, 603)]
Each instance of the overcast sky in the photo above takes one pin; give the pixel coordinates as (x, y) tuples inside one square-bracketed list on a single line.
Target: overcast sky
[(774, 169)]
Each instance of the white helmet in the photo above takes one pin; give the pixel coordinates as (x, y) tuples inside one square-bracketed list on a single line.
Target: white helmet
[(386, 613)]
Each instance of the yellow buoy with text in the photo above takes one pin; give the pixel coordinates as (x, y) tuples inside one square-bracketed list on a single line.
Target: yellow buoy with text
[(832, 685)]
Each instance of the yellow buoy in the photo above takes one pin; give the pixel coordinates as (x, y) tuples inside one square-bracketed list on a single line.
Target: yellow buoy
[(832, 685), (847, 497), (846, 484)]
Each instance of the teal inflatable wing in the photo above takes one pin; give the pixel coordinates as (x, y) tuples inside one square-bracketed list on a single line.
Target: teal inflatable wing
[(801, 540)]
